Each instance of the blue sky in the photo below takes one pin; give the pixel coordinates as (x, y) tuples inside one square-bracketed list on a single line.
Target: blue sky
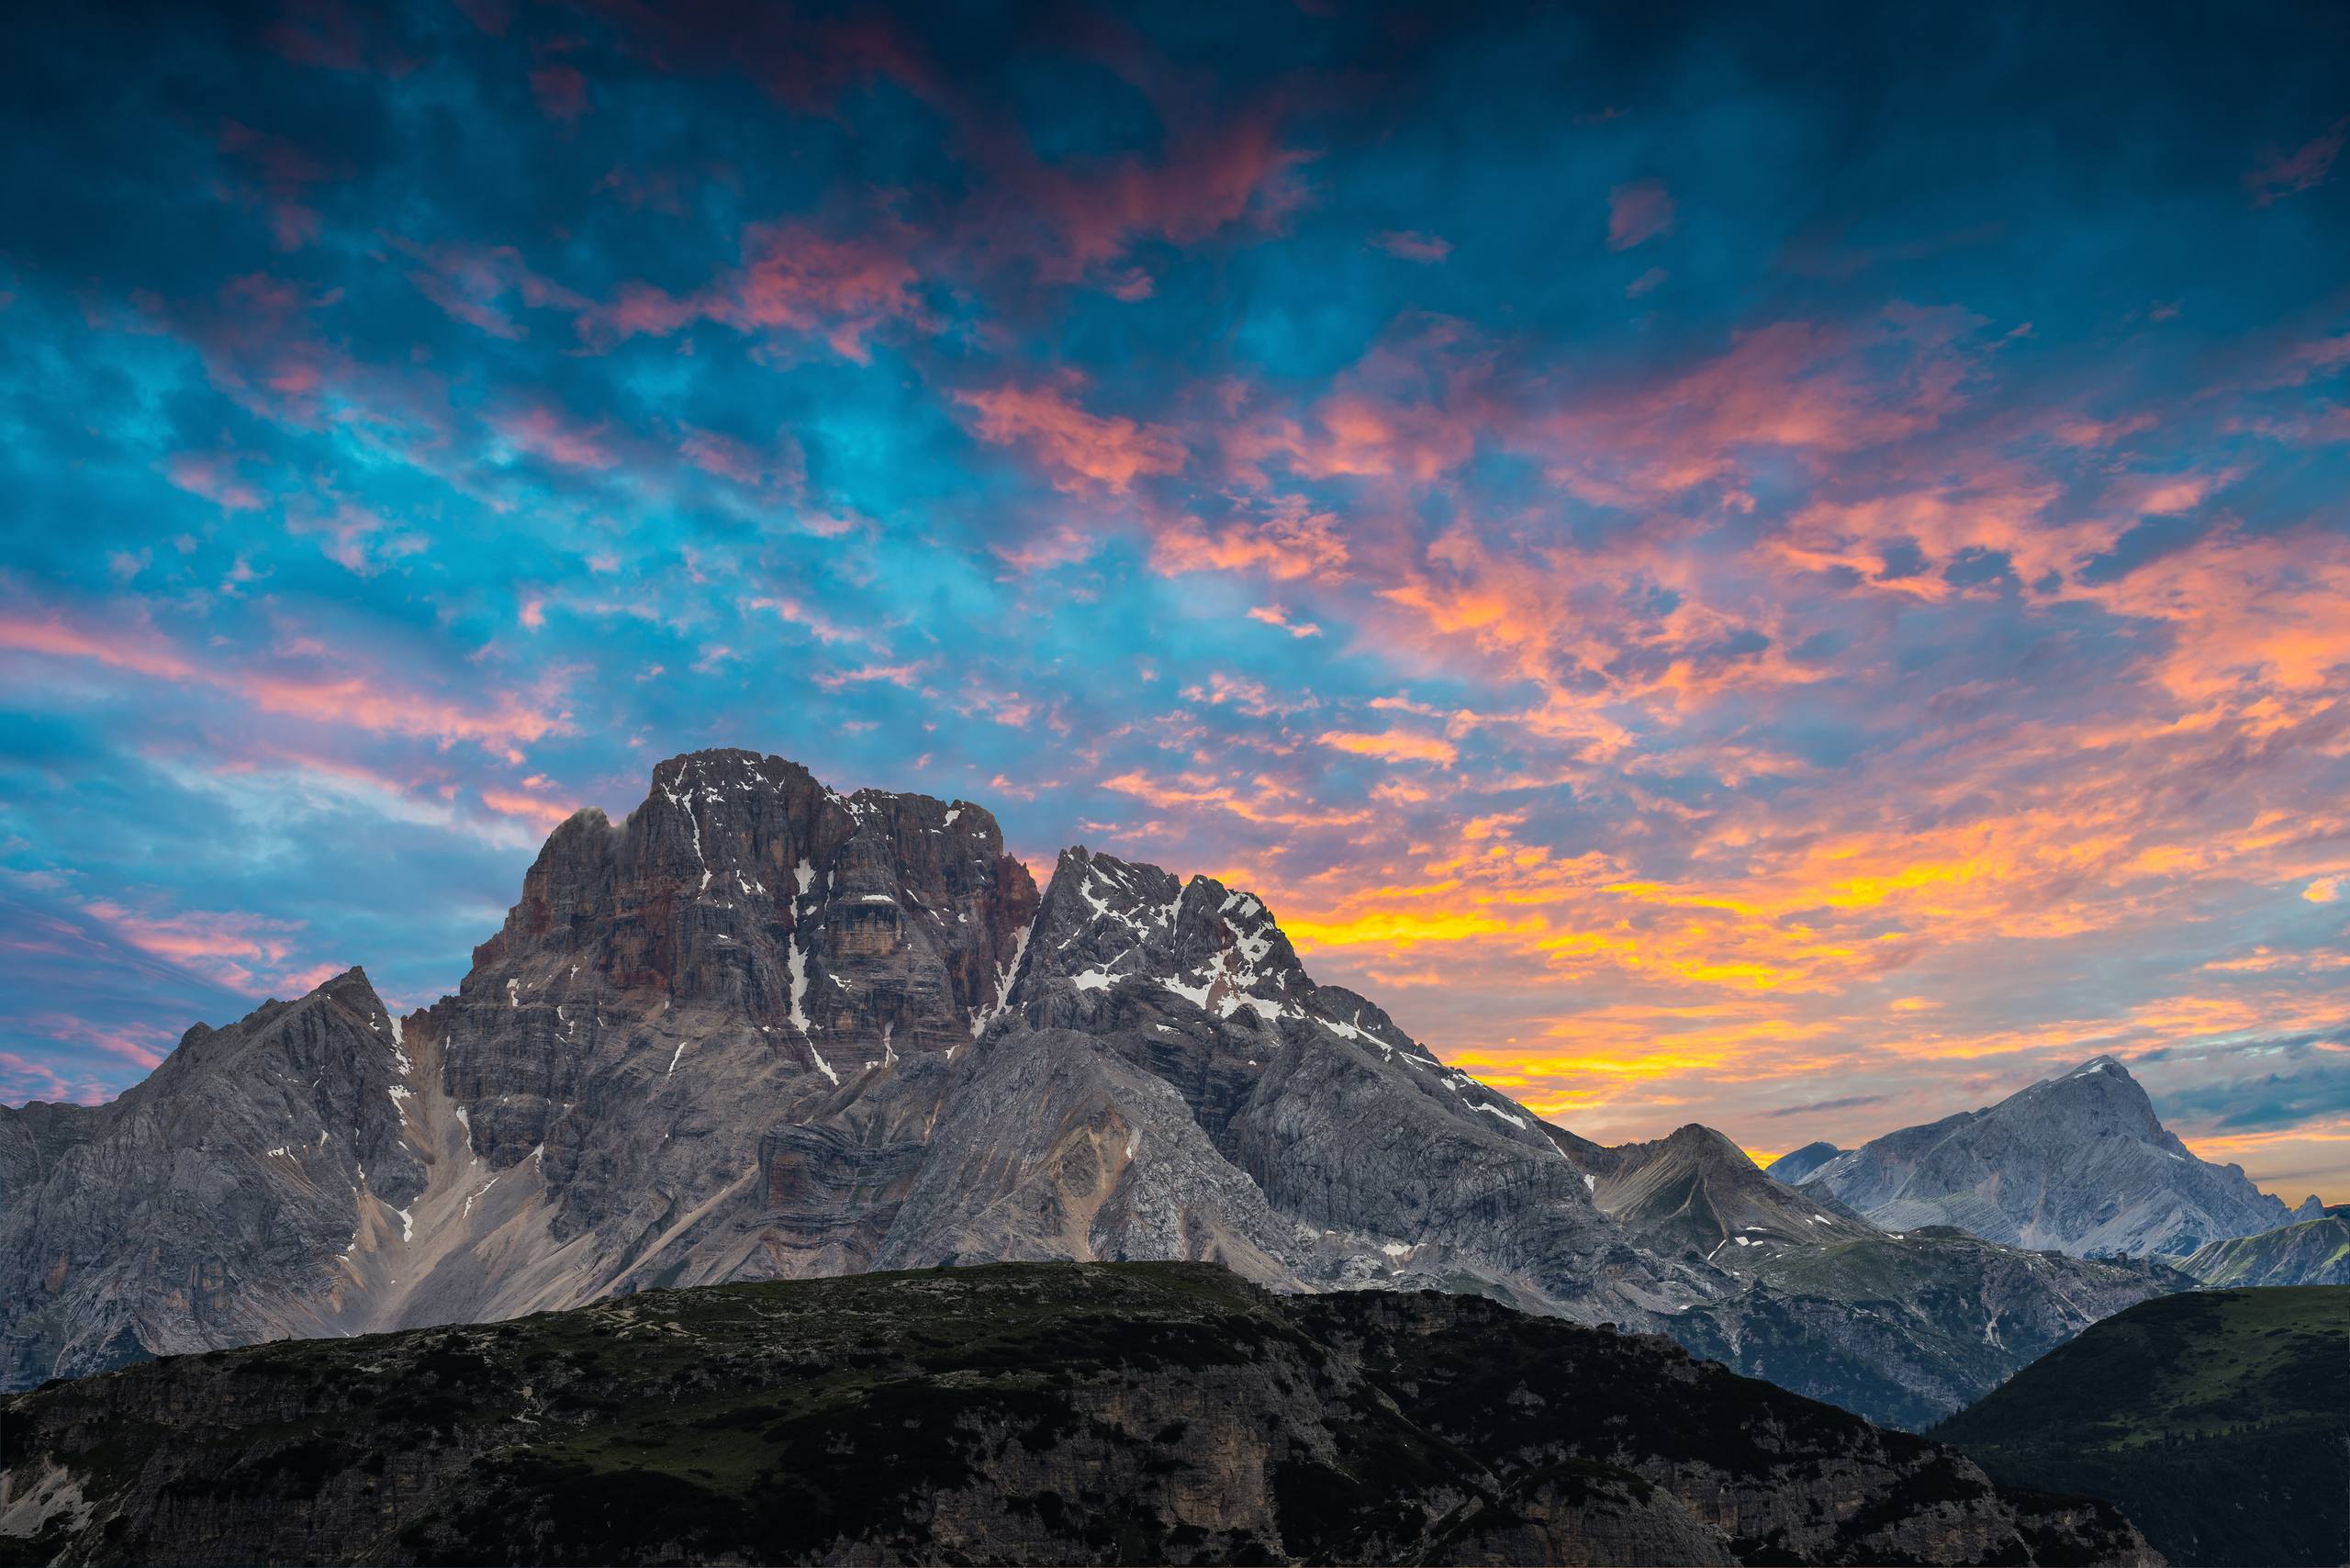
[(1785, 570)]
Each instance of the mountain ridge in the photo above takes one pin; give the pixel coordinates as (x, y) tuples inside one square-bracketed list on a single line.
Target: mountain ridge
[(759, 1029)]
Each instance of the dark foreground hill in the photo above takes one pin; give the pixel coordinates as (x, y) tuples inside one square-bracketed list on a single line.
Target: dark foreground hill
[(2220, 1422), (1020, 1413)]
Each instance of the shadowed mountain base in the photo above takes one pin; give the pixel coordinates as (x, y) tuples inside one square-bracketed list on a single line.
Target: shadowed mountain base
[(1019, 1413)]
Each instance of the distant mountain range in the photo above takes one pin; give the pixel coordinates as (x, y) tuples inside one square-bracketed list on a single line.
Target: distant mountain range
[(2077, 1164), (2220, 1422), (764, 1030), (1024, 1413), (2308, 1252)]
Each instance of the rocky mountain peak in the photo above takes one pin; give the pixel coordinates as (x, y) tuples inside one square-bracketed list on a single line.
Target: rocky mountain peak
[(2080, 1163), (1796, 1164), (1106, 922)]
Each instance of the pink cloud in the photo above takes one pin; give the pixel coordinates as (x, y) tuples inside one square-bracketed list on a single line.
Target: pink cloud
[(822, 627), (1213, 177), (330, 35), (744, 465), (502, 723), (2304, 168), (792, 279), (1412, 245), (1079, 449), (561, 91), (282, 174), (244, 952), (1639, 211), (471, 282), (215, 477), (128, 648), (22, 1079), (141, 1045), (1276, 615), (1289, 541), (544, 433), (547, 815), (909, 676)]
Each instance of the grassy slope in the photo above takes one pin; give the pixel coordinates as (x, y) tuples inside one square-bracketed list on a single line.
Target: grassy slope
[(2316, 1250), (2220, 1422), (800, 1420)]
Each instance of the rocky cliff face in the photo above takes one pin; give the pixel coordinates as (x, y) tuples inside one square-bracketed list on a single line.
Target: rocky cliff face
[(1017, 1413), (2078, 1164), (762, 1030), (218, 1202)]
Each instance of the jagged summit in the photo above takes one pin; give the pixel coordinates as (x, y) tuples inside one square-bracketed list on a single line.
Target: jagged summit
[(2079, 1163)]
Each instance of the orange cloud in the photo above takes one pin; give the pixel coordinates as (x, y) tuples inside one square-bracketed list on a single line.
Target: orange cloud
[(1079, 448), (1394, 745)]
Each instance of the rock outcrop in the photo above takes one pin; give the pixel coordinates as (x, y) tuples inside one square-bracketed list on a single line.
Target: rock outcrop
[(2078, 1164), (1011, 1414)]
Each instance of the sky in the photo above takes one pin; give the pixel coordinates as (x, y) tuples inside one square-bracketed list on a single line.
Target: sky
[(1779, 566)]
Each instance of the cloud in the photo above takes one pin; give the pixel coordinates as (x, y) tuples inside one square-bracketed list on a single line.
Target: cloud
[(1638, 212), (1081, 450), (1412, 246), (560, 92), (2306, 167), (793, 278), (503, 723), (1394, 745), (1275, 615)]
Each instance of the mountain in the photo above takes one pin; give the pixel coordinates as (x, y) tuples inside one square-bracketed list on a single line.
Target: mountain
[(171, 1218), (1009, 1413), (764, 1030), (1906, 1328), (1796, 1164), (2313, 1252), (2078, 1164), (1696, 1191), (2220, 1422)]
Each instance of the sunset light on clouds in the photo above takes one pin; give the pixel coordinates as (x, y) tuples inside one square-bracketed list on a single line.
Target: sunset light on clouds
[(1717, 585)]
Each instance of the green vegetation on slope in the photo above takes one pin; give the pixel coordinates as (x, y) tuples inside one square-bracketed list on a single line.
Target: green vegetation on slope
[(2219, 1420), (1011, 1413), (2315, 1252)]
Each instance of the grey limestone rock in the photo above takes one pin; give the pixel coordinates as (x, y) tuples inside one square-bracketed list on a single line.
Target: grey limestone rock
[(2078, 1164)]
